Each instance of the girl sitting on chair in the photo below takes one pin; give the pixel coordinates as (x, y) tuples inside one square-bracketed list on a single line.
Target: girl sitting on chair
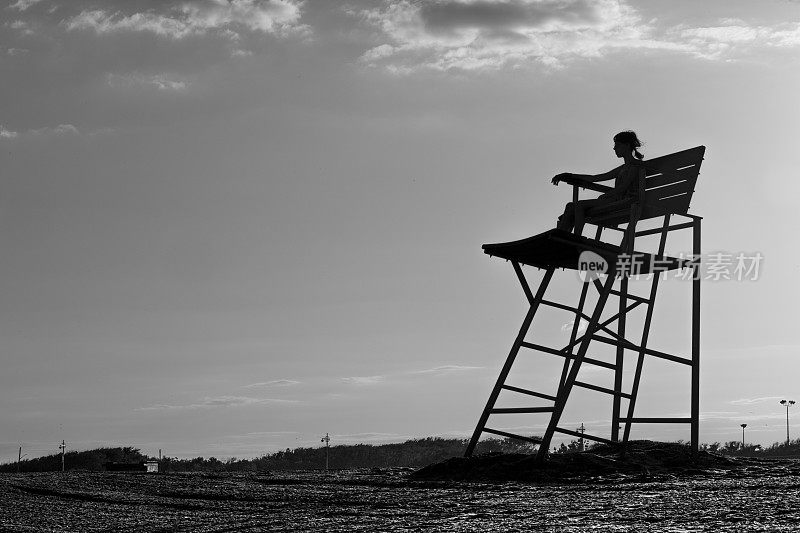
[(625, 184)]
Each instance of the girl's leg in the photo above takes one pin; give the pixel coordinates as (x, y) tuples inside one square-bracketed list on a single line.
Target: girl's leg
[(579, 217), (566, 220)]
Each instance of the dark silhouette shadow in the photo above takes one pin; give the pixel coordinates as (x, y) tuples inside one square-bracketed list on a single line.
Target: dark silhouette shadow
[(624, 193)]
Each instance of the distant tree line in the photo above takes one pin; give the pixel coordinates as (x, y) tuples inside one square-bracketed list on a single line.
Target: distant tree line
[(735, 447), (412, 453), (93, 460)]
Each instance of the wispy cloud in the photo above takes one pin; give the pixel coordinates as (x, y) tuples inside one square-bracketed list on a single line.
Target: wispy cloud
[(364, 380), (753, 401), (218, 402), (7, 134), (224, 18), (582, 325), (475, 35), (489, 34), (45, 131), (273, 383), (22, 5), (446, 369), (369, 437), (21, 26), (733, 37), (162, 82), (61, 129)]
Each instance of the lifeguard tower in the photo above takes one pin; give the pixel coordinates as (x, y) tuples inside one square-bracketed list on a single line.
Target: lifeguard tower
[(665, 188)]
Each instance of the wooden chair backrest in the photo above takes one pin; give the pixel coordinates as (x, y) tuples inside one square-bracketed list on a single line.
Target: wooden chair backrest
[(669, 182), (668, 186)]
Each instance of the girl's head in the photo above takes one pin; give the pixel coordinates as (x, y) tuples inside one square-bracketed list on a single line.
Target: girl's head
[(626, 142)]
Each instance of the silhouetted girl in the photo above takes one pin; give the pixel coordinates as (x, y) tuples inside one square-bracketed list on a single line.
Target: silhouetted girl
[(625, 178)]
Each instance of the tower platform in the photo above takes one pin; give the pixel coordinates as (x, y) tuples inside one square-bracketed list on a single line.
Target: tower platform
[(557, 248)]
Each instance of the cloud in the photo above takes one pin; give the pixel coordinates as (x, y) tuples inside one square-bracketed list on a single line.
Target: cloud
[(224, 17), (490, 34), (22, 5), (733, 38), (474, 35), (61, 129), (447, 369), (364, 380), (582, 325), (218, 402), (273, 383), (162, 82), (751, 401), (46, 131), (7, 134), (20, 25), (370, 437)]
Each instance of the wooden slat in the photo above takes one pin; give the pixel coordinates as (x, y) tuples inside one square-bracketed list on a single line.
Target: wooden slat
[(676, 205), (518, 410), (654, 195), (680, 159), (672, 176), (530, 393), (535, 440), (583, 435)]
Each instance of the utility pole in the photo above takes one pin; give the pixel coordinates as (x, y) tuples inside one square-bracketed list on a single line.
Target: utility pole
[(743, 426), (159, 454), (19, 457), (327, 440), (63, 448), (787, 403), (582, 430)]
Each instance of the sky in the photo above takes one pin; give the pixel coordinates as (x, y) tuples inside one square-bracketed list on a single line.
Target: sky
[(232, 226)]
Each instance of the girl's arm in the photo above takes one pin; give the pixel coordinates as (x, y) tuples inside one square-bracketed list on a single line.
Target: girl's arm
[(611, 174)]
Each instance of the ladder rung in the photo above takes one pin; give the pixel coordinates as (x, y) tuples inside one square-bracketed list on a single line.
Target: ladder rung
[(535, 440), (657, 420), (629, 296), (509, 410), (628, 345), (562, 353), (545, 349), (583, 435), (530, 392), (601, 389), (655, 353), (573, 310), (598, 362), (561, 306)]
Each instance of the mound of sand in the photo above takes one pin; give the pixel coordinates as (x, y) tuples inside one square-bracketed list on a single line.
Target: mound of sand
[(634, 460)]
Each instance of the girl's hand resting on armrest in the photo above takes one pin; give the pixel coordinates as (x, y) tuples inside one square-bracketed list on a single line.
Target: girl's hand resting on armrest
[(561, 177)]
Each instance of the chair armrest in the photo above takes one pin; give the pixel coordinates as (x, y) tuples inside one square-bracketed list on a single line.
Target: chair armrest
[(588, 185)]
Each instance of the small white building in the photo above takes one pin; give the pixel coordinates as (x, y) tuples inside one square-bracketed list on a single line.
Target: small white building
[(151, 466)]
